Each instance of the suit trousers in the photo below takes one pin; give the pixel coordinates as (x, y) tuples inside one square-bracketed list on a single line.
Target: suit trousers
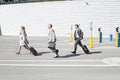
[(52, 46), (77, 42)]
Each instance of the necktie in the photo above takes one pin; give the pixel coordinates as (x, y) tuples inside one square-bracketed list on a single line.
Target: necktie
[(75, 34)]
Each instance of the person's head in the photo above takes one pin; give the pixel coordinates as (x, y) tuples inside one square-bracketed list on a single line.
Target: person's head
[(49, 26), (22, 28), (76, 26)]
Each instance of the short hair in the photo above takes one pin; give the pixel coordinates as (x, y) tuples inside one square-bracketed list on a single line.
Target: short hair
[(23, 27), (77, 25), (50, 25)]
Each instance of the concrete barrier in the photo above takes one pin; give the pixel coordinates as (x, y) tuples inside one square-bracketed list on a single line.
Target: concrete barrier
[(36, 17)]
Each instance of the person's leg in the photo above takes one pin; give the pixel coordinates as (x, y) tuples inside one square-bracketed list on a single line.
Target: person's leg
[(57, 55), (75, 46), (27, 48), (85, 49), (80, 43), (52, 46), (55, 51), (19, 50)]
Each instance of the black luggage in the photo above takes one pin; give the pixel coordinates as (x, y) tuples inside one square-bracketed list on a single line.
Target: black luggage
[(34, 52), (85, 49)]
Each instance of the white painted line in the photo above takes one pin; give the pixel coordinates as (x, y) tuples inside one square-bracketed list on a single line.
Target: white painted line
[(52, 65), (107, 47), (112, 60), (95, 60), (55, 64)]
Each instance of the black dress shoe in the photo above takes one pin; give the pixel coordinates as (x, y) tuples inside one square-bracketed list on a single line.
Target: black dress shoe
[(48, 47), (88, 53), (56, 56), (57, 53), (18, 53), (73, 52)]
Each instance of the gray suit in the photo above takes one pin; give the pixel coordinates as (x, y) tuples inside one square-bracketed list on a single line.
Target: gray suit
[(51, 41)]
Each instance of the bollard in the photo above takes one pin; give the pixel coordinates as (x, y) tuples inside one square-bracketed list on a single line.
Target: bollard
[(71, 37), (100, 37), (116, 37), (91, 42), (111, 37), (118, 42), (91, 38), (71, 34), (0, 31)]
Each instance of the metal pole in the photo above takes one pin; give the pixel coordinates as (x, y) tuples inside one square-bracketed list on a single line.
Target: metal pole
[(91, 38)]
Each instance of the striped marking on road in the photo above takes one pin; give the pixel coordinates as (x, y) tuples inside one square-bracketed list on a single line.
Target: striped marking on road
[(95, 60), (55, 64)]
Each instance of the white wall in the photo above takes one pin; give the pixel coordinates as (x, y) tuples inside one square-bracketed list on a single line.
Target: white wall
[(36, 17)]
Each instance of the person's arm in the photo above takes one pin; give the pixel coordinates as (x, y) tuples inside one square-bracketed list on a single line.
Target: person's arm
[(49, 39), (53, 36), (79, 33), (25, 37), (49, 36), (26, 40)]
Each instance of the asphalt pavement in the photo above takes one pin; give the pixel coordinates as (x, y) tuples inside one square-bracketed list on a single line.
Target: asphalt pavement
[(102, 64)]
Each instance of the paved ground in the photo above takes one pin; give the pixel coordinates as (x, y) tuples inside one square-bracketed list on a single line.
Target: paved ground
[(102, 64)]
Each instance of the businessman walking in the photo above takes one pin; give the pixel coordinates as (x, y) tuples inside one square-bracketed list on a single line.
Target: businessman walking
[(52, 40), (78, 36)]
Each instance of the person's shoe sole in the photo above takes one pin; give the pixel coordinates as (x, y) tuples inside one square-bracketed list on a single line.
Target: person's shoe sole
[(73, 52), (56, 56), (17, 53)]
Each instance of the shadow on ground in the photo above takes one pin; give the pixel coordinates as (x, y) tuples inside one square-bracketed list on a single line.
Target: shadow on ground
[(41, 53), (69, 55), (95, 52), (74, 55)]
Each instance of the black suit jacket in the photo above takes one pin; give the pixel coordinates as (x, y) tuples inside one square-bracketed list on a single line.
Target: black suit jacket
[(80, 34)]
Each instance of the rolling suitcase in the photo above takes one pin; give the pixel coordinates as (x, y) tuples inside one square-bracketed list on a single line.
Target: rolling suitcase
[(85, 49), (34, 52)]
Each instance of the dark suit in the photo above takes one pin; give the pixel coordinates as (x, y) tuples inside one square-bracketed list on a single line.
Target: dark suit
[(79, 32), (77, 37)]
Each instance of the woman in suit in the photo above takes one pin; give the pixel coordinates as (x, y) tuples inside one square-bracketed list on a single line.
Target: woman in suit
[(52, 40), (23, 40)]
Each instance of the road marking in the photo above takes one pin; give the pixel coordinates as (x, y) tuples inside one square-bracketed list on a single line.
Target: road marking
[(53, 65), (95, 60), (106, 47), (50, 63), (112, 60)]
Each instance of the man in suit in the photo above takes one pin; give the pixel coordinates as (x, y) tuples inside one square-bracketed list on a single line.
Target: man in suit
[(78, 36), (52, 40)]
